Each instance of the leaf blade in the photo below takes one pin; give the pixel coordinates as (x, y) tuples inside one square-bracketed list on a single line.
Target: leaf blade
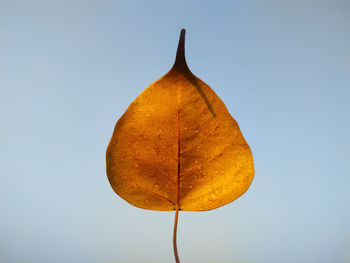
[(178, 146)]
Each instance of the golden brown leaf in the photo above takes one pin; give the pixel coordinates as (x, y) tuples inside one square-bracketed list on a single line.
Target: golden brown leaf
[(178, 148)]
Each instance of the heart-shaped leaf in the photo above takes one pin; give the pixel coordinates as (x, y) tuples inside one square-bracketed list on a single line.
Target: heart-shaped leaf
[(178, 148)]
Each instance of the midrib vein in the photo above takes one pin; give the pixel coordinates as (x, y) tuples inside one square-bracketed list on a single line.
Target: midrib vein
[(178, 153)]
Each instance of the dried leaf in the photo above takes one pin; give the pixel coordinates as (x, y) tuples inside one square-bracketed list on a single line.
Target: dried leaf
[(177, 144), (178, 148)]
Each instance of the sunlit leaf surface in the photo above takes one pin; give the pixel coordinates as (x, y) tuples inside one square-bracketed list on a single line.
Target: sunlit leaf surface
[(178, 147)]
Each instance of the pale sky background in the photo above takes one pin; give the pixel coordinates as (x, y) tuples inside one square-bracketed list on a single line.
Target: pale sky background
[(70, 68)]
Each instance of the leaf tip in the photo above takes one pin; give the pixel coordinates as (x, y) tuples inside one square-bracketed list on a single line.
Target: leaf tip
[(180, 60)]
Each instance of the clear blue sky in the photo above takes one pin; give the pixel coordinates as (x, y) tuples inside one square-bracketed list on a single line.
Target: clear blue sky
[(70, 68)]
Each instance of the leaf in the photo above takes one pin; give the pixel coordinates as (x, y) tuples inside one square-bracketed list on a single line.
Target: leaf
[(177, 147)]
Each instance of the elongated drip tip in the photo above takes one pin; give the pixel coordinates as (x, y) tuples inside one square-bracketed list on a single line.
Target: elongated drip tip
[(180, 60)]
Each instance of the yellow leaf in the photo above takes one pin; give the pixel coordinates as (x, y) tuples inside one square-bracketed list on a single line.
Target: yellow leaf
[(177, 147)]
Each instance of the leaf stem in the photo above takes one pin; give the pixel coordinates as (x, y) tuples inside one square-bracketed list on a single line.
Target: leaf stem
[(174, 235)]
